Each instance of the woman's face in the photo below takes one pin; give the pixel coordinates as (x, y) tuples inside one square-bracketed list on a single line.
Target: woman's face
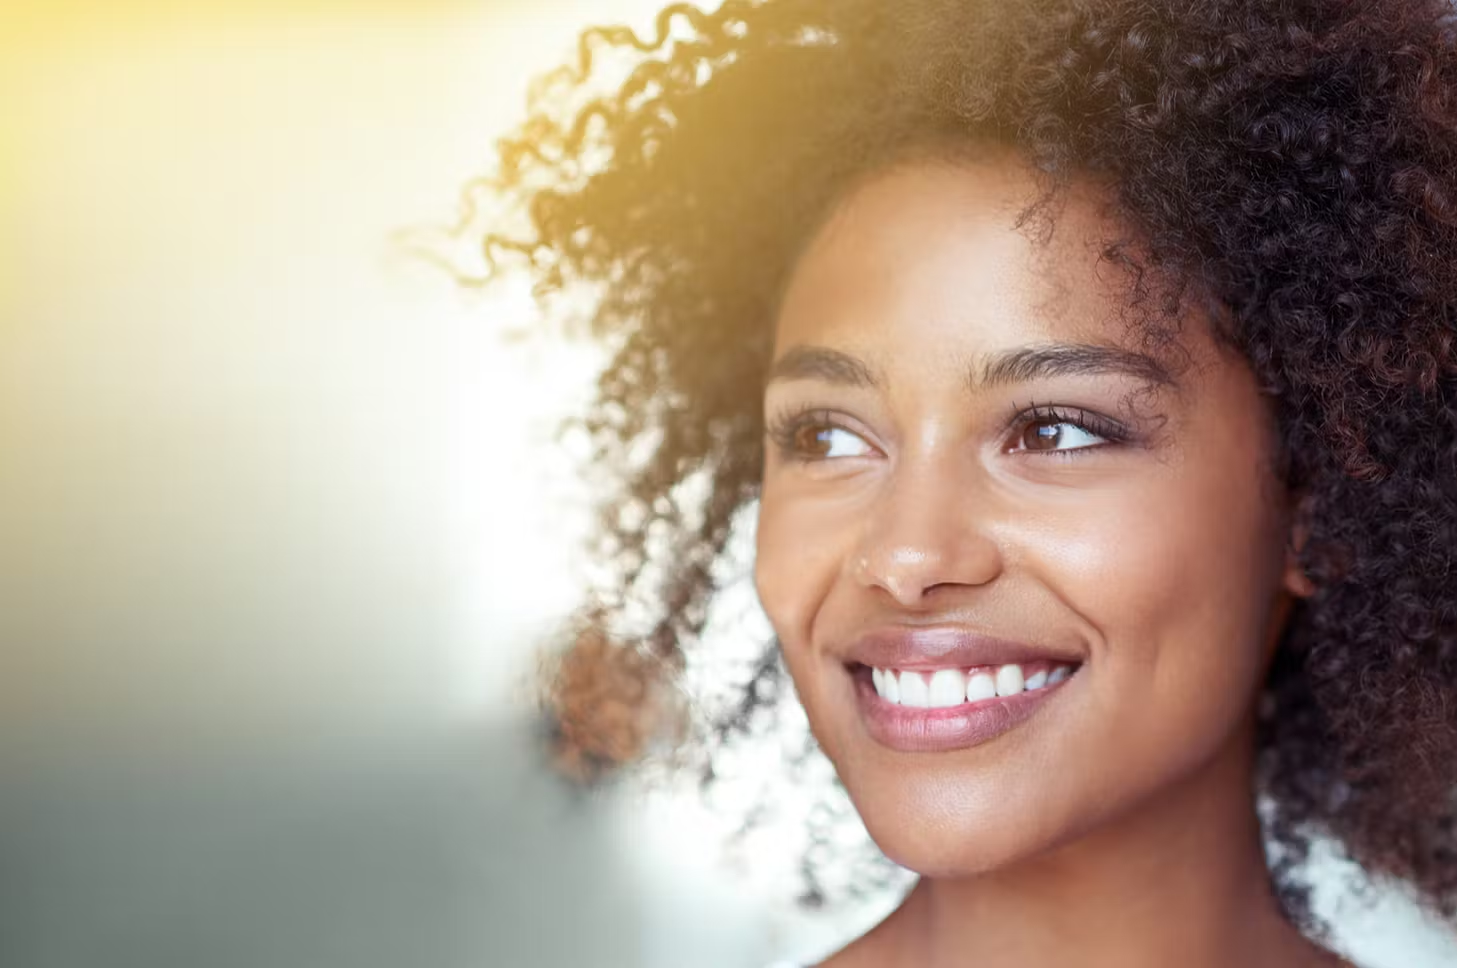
[(1025, 576)]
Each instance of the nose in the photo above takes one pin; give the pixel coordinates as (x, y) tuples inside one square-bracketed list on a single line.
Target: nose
[(928, 530)]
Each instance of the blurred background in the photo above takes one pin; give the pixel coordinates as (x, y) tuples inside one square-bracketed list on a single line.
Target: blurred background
[(281, 519)]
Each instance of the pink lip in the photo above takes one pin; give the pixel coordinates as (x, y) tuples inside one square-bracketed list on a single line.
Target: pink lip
[(917, 730), (945, 646)]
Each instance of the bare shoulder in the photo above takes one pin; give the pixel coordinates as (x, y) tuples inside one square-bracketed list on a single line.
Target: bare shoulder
[(1313, 955), (864, 952)]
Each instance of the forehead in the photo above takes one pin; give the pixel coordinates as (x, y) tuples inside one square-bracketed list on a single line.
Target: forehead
[(927, 258)]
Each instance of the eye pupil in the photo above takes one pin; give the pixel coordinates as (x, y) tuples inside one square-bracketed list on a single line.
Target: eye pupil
[(814, 440), (1046, 436)]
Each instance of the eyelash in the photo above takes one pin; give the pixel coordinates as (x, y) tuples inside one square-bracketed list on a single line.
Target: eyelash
[(785, 430), (1112, 431)]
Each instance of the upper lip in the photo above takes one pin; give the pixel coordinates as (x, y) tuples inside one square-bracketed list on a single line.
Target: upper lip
[(942, 647)]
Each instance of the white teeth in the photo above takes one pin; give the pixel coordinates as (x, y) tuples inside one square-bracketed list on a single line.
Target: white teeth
[(980, 686), (952, 687), (914, 691), (948, 688), (1009, 680), (886, 685)]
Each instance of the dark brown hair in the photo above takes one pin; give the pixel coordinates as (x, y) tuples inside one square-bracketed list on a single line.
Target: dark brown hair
[(1293, 163)]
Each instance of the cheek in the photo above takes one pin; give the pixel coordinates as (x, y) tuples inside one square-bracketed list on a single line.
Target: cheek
[(1164, 560), (800, 550), (803, 543), (1177, 581)]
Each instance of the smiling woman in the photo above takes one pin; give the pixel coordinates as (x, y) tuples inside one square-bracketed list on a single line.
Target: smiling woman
[(1093, 366), (1136, 578)]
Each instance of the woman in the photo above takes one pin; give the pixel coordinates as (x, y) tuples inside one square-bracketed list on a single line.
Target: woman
[(1091, 366)]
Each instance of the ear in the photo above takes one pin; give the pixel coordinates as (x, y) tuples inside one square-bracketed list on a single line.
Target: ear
[(1294, 580)]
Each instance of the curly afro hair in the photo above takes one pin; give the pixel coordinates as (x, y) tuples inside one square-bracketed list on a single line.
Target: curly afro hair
[(1292, 164)]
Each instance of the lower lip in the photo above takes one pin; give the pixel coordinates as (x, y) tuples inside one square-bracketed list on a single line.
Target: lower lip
[(912, 729)]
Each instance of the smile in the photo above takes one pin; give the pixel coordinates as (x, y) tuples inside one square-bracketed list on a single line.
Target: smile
[(944, 688), (948, 687), (940, 710)]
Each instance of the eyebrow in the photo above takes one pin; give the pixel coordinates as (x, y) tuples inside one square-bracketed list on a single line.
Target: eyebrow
[(1017, 365), (825, 365), (1026, 363)]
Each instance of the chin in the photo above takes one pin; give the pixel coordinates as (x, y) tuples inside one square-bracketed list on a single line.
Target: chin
[(940, 829)]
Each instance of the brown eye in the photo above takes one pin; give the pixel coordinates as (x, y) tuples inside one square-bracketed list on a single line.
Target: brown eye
[(812, 441), (1053, 434), (816, 436), (822, 441), (1042, 436)]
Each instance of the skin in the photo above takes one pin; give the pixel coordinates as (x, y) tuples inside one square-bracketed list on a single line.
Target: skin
[(1116, 826)]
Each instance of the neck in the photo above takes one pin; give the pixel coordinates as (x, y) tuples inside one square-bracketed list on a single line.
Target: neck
[(1181, 881)]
